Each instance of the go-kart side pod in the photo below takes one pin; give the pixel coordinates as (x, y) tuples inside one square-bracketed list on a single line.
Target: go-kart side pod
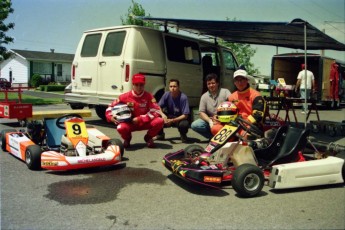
[(248, 180)]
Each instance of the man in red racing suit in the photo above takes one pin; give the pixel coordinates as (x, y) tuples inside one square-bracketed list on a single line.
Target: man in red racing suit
[(145, 113), (249, 102)]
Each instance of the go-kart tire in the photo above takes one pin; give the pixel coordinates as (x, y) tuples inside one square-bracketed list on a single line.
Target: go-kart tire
[(193, 151), (33, 157), (3, 137), (118, 143), (248, 180)]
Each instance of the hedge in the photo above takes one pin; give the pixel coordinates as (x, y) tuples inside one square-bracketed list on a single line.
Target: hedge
[(48, 88)]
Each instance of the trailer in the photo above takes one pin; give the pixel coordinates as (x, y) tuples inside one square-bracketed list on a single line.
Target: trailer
[(15, 109), (287, 66)]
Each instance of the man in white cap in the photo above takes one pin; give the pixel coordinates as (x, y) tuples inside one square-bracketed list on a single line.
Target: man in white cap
[(250, 104)]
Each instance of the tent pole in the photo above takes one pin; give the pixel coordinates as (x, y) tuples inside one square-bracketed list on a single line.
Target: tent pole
[(305, 74)]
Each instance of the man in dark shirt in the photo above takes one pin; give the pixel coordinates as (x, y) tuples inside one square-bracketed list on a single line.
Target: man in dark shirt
[(175, 110)]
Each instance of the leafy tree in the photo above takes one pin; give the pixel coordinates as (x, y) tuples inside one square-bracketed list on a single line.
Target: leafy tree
[(243, 53), (136, 10), (5, 10)]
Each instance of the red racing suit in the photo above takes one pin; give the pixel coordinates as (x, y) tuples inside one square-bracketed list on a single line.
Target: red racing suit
[(143, 107), (334, 80), (250, 104)]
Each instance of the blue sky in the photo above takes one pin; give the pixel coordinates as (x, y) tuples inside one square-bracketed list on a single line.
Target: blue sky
[(42, 25)]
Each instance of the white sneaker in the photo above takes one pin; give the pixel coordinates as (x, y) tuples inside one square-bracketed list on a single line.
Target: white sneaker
[(303, 112)]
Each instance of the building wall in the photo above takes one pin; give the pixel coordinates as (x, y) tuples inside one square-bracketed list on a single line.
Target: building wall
[(19, 68)]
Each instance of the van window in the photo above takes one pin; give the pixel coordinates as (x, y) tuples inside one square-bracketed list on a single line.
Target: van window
[(176, 50), (90, 46), (229, 60), (114, 43)]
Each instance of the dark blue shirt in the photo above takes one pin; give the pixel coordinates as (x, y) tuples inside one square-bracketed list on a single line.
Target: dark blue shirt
[(175, 106)]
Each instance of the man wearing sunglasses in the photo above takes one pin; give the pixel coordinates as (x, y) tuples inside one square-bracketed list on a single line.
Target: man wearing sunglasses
[(145, 113)]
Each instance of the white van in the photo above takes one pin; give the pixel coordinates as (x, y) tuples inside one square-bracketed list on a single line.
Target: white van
[(106, 59)]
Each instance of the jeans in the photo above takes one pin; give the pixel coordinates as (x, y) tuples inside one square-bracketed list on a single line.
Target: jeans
[(202, 127), (305, 93)]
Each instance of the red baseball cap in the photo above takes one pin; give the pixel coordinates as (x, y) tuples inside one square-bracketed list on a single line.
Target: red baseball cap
[(138, 79)]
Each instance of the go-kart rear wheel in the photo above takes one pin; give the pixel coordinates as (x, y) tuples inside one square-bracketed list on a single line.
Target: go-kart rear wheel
[(33, 157), (3, 137), (118, 143), (248, 180), (193, 151)]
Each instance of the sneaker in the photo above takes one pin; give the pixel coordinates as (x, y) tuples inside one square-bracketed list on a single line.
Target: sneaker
[(126, 144), (184, 138), (149, 141), (303, 112), (160, 137)]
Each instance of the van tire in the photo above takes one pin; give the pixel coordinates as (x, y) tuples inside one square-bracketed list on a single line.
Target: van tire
[(100, 111), (76, 106)]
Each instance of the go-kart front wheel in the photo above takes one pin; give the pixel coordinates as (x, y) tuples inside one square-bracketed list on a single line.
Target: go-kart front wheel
[(118, 143), (248, 180), (193, 151), (33, 157)]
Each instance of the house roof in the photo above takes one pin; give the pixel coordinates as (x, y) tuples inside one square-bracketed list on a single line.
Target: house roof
[(284, 34), (44, 56)]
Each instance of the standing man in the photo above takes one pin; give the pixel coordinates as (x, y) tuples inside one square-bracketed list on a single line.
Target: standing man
[(334, 83), (175, 110), (209, 103), (249, 102), (145, 113), (305, 87)]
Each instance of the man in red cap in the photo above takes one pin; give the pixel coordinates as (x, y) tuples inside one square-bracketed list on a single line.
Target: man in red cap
[(145, 112)]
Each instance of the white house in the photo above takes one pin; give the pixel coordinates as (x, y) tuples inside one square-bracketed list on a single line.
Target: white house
[(23, 64)]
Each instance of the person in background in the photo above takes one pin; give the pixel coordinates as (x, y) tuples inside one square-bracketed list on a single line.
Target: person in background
[(175, 110), (145, 113), (305, 88), (334, 83), (208, 104), (250, 104)]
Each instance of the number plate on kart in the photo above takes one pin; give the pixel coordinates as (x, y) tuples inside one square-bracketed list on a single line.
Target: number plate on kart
[(76, 131), (221, 138)]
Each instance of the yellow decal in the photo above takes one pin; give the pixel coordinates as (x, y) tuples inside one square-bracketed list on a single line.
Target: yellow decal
[(212, 179), (49, 163), (76, 131), (224, 134)]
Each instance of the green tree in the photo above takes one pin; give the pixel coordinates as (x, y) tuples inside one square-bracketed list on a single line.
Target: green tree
[(243, 54), (134, 11), (5, 10)]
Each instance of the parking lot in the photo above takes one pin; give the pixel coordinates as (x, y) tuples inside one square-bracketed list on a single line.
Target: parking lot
[(144, 195)]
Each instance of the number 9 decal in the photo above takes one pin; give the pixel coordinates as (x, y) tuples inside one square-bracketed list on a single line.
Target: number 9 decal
[(76, 129)]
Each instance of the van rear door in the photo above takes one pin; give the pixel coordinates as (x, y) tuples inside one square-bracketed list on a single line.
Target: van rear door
[(86, 64), (111, 65)]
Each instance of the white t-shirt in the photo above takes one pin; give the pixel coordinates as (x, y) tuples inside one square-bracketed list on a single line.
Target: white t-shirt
[(310, 78)]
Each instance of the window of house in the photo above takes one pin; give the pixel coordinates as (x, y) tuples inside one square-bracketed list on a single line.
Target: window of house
[(176, 50), (114, 43), (59, 70), (42, 67), (90, 45)]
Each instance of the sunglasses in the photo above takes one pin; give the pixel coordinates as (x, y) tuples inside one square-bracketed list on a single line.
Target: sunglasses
[(138, 85)]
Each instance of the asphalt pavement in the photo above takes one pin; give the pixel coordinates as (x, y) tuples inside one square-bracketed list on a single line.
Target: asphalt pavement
[(145, 195)]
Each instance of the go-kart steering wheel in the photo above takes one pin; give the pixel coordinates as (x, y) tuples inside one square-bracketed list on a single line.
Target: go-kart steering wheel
[(249, 127), (60, 122)]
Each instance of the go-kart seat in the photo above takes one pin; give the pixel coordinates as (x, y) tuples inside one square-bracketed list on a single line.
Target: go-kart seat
[(54, 133), (287, 143)]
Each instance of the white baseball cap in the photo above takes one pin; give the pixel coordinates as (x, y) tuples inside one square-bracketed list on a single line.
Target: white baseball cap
[(241, 73)]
